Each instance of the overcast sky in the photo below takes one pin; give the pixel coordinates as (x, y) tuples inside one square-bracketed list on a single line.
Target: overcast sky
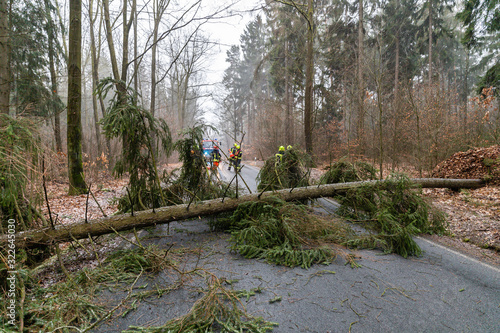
[(226, 32)]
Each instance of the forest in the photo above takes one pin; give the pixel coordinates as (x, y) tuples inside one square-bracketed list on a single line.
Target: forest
[(94, 90), (396, 82)]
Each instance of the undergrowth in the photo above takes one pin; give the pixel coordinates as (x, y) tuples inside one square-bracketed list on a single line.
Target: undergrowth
[(20, 193), (283, 233)]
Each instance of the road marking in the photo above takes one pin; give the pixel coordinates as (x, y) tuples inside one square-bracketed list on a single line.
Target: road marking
[(460, 254)]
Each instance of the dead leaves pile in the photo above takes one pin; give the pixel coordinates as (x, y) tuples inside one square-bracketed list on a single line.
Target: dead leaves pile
[(476, 163)]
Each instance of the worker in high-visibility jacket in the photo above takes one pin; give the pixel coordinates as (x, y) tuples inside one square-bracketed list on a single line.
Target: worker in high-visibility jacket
[(232, 156), (279, 155), (237, 157), (215, 157)]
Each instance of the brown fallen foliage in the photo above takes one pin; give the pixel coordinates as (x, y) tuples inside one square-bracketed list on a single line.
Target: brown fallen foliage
[(473, 215), (482, 163)]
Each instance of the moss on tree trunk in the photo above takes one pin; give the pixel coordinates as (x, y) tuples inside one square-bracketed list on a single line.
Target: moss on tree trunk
[(75, 163)]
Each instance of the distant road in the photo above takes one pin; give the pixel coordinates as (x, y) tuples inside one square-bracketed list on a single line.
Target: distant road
[(248, 172)]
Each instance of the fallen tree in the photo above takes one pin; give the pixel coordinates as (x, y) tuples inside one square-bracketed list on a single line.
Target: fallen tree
[(142, 219)]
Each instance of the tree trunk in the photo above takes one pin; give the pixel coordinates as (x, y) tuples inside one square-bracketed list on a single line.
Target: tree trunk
[(395, 134), (95, 76), (308, 106), (157, 13), (126, 32), (288, 101), (168, 214), (136, 60), (361, 86), (53, 77), (4, 58), (74, 133), (466, 94), (109, 38), (430, 46)]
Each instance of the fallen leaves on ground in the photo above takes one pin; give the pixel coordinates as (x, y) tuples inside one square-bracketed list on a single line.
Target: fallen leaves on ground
[(476, 163)]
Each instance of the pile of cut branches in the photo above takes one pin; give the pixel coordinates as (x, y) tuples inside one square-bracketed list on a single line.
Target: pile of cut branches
[(392, 211)]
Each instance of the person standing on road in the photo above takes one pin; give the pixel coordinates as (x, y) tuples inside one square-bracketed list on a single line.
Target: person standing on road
[(237, 157), (215, 157)]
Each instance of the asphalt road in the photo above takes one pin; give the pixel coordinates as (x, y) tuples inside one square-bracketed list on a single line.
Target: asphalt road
[(441, 291)]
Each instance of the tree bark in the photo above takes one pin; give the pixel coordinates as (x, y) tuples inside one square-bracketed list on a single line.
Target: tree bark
[(168, 214), (395, 134), (95, 76), (361, 85), (430, 45), (74, 133), (4, 58), (109, 38), (308, 107), (53, 77)]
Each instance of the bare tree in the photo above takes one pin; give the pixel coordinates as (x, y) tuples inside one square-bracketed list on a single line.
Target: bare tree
[(184, 75)]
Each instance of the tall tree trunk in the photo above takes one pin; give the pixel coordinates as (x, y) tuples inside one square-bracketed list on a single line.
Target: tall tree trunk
[(308, 107), (395, 134), (101, 100), (109, 38), (430, 46), (288, 116), (95, 75), (126, 32), (361, 85), (53, 88), (136, 60), (5, 51), (74, 133), (466, 93), (157, 12), (53, 76)]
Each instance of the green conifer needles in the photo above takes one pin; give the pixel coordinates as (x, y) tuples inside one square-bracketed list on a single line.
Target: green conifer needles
[(394, 210), (284, 233), (219, 310), (291, 172)]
